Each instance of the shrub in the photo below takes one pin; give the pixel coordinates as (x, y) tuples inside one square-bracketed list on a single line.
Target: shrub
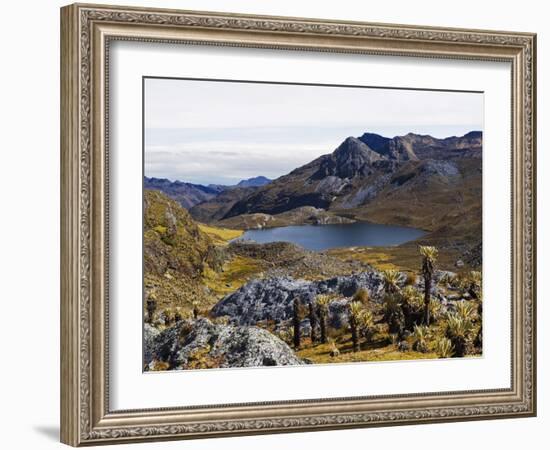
[(411, 279), (361, 296), (334, 352), (287, 335)]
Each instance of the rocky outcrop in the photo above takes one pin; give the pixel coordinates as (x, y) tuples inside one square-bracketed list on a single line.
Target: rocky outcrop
[(201, 344), (350, 159), (297, 216), (271, 299)]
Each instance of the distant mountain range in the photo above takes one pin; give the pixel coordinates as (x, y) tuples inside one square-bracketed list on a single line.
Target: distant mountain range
[(363, 169), (189, 194)]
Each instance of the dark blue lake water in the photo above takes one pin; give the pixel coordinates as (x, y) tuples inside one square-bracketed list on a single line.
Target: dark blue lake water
[(323, 237)]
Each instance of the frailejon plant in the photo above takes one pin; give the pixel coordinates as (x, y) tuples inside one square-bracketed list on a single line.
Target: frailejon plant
[(459, 332), (323, 302), (393, 315), (444, 348), (420, 338), (474, 285), (411, 304), (366, 324), (429, 256), (466, 310), (391, 280)]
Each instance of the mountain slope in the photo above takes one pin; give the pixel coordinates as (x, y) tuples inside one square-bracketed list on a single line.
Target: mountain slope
[(176, 252), (420, 181), (217, 207)]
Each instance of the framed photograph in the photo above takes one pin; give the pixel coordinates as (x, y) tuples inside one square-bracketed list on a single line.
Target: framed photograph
[(276, 224)]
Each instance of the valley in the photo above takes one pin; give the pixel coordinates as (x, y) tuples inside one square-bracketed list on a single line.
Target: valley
[(211, 281)]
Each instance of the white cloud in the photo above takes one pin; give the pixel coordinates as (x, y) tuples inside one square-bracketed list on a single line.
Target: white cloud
[(214, 132)]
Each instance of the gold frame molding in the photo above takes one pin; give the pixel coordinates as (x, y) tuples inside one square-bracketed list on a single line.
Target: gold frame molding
[(86, 31)]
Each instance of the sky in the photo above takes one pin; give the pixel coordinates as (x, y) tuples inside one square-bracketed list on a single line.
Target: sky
[(210, 132)]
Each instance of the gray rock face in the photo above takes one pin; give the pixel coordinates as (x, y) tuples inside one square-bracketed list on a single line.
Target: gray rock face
[(149, 335), (202, 344), (442, 168), (271, 299)]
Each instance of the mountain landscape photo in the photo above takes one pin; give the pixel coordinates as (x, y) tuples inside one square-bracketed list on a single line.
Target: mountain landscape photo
[(286, 242)]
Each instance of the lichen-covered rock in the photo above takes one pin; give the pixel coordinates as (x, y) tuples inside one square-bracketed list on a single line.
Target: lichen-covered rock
[(149, 335), (201, 344), (271, 299)]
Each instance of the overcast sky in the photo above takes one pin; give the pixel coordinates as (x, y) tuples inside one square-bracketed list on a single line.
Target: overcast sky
[(222, 132)]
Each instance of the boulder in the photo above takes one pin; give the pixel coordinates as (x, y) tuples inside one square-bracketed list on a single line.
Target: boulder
[(199, 344)]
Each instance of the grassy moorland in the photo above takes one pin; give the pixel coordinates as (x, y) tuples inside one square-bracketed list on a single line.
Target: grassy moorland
[(213, 298)]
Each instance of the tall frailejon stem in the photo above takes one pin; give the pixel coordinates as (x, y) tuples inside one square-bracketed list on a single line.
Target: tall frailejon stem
[(296, 322), (313, 321), (322, 309), (429, 256)]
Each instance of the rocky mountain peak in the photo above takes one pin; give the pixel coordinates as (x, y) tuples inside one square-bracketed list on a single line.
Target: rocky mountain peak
[(376, 142), (473, 135), (352, 157)]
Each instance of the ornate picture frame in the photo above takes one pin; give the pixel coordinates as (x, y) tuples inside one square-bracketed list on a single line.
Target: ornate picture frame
[(86, 34)]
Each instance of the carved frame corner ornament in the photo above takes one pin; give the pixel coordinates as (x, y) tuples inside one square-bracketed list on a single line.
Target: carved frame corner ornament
[(86, 31)]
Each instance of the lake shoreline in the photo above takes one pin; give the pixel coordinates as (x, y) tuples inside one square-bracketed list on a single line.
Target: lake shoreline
[(322, 237)]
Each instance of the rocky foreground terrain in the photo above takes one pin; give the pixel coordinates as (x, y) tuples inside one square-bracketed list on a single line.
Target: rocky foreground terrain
[(252, 326), (202, 344)]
